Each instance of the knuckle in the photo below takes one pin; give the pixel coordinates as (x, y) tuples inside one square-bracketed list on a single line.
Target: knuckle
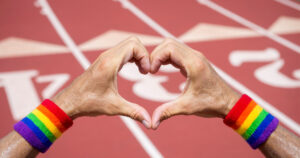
[(195, 67), (104, 67), (133, 38), (186, 110), (166, 114), (184, 106), (170, 44), (133, 41), (104, 64), (132, 44), (198, 64), (135, 114), (169, 40), (171, 47), (110, 110), (199, 56)]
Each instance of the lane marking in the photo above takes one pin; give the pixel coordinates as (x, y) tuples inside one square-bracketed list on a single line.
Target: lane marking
[(237, 85), (250, 25), (290, 4), (142, 138)]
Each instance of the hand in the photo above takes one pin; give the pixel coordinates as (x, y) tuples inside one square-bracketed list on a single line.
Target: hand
[(95, 91), (205, 93)]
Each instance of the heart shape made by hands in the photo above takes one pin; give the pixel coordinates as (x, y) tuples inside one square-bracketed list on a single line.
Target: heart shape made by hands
[(205, 93), (95, 91)]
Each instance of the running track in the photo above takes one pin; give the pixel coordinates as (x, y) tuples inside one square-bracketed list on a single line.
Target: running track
[(253, 44)]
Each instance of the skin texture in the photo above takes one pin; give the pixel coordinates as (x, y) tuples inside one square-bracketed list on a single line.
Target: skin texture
[(95, 93), (282, 143), (207, 95)]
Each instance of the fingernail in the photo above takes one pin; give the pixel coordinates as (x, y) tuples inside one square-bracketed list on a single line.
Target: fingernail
[(152, 66), (148, 66), (156, 124), (146, 124), (146, 116)]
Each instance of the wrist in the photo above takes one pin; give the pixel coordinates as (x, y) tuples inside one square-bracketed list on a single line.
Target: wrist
[(67, 101), (232, 98)]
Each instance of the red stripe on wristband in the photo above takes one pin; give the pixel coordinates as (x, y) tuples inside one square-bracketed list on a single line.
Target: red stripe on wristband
[(244, 115), (236, 111), (60, 114), (52, 117)]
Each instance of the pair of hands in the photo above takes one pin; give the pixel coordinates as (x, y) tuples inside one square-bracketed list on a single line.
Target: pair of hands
[(95, 91)]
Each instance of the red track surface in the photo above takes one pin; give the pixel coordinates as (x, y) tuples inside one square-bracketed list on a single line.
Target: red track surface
[(177, 137)]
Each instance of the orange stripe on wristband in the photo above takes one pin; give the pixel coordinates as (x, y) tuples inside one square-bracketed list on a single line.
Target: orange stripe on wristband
[(244, 115), (52, 117), (65, 120), (236, 111)]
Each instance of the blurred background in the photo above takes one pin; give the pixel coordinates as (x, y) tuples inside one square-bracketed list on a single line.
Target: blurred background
[(253, 44)]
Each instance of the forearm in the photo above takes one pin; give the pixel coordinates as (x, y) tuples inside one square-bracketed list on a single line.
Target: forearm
[(281, 144), (15, 146)]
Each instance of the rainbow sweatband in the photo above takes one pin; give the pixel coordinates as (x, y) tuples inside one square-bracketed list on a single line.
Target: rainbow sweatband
[(251, 121), (43, 125)]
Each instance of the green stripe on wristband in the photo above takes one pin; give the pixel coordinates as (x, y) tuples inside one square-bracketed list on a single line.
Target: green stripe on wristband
[(42, 127), (255, 124)]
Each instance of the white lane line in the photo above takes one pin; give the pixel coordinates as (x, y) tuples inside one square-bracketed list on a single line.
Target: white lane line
[(290, 4), (250, 25), (85, 63), (237, 85), (46, 10)]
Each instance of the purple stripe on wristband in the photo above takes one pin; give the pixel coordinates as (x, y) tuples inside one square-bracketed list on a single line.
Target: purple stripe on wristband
[(29, 136), (267, 132)]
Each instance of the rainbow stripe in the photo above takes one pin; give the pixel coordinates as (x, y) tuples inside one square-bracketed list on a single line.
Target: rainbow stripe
[(251, 121), (43, 125)]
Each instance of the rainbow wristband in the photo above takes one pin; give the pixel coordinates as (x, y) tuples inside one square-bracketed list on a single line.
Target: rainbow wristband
[(251, 121), (43, 125)]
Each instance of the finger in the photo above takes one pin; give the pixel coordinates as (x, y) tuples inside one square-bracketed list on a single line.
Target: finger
[(169, 51), (135, 112), (166, 111), (138, 53), (142, 70)]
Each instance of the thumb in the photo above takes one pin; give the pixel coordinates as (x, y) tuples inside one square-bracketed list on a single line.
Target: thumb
[(135, 112), (166, 111)]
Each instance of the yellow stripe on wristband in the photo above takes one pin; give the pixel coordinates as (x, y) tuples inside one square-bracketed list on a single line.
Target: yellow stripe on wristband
[(54, 130), (249, 120)]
